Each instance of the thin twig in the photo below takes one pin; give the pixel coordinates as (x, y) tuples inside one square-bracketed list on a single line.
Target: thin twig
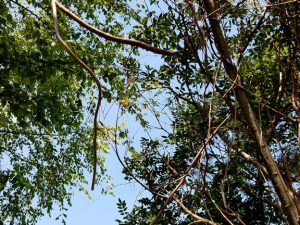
[(194, 161), (252, 34), (195, 216), (24, 8)]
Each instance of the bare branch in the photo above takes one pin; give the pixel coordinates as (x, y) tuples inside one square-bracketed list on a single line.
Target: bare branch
[(195, 216), (194, 161), (111, 37)]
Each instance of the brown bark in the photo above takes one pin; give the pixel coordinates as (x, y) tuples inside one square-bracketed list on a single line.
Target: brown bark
[(111, 37), (93, 76), (281, 189)]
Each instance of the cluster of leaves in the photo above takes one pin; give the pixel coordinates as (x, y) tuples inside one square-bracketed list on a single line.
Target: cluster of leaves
[(45, 135)]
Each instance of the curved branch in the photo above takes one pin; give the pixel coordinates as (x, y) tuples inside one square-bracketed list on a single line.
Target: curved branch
[(92, 74), (111, 37), (195, 216)]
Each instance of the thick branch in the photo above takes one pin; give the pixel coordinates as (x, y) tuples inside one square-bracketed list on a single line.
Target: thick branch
[(111, 37)]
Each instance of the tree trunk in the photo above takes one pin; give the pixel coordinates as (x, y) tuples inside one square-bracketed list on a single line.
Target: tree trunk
[(281, 189)]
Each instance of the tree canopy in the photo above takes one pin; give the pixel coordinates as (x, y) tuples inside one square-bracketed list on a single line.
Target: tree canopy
[(219, 110)]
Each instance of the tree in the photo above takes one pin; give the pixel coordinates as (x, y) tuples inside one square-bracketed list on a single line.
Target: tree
[(45, 135), (224, 98)]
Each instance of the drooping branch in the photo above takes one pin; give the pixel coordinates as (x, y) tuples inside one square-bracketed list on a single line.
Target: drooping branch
[(92, 74), (111, 37)]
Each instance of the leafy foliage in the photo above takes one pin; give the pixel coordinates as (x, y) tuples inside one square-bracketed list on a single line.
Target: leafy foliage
[(211, 114), (45, 137)]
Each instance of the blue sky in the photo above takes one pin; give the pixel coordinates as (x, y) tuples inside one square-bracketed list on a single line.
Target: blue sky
[(103, 209)]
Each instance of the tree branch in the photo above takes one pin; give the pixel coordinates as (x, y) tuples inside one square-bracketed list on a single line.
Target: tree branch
[(111, 37), (194, 161), (92, 74), (252, 34), (195, 216)]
